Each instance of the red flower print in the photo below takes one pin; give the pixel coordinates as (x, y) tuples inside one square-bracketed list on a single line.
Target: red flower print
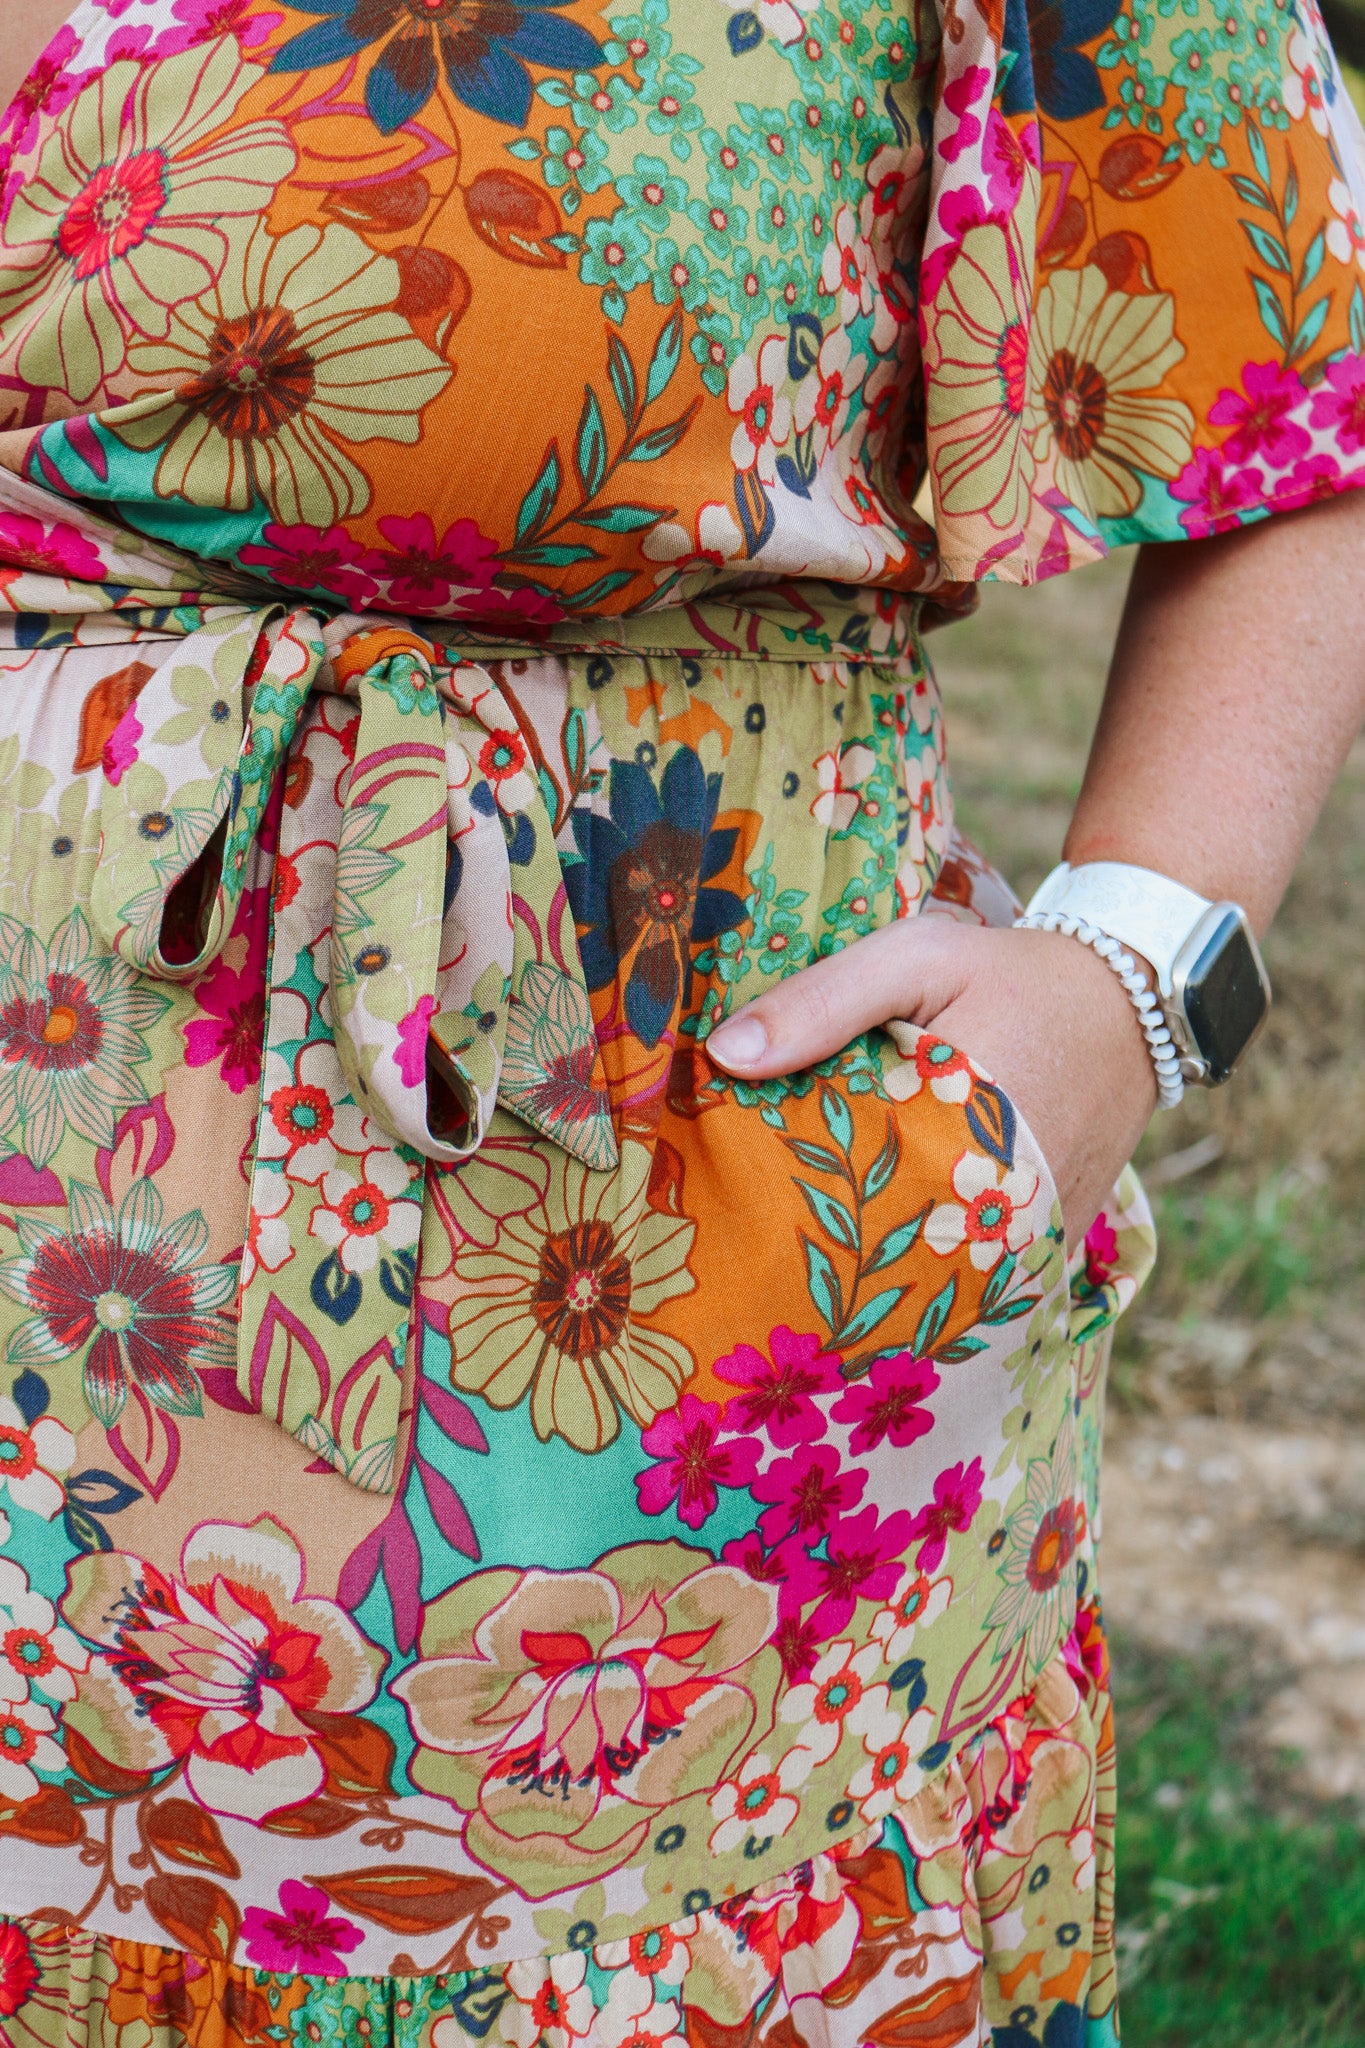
[(19, 1973)]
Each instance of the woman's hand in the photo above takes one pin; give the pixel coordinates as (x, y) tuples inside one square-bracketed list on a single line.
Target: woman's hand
[(1041, 1013)]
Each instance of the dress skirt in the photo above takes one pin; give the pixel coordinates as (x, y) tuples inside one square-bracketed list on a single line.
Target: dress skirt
[(509, 1532)]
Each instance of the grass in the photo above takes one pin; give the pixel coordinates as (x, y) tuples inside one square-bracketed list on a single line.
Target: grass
[(1242, 1924), (1241, 1903)]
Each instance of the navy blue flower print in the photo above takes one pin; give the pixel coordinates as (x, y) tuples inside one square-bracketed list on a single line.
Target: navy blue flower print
[(640, 894), (483, 46)]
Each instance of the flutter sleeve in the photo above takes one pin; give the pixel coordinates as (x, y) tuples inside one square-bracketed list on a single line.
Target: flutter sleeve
[(1142, 286)]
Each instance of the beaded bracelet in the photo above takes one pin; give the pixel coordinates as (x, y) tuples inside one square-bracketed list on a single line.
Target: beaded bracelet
[(1170, 1082)]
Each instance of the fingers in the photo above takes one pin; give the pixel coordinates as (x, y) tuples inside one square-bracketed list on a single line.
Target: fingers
[(905, 970)]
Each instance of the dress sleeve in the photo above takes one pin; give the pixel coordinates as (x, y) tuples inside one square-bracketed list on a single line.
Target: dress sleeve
[(1142, 284)]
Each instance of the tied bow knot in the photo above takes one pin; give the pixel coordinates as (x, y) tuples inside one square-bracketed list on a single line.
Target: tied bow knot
[(423, 968)]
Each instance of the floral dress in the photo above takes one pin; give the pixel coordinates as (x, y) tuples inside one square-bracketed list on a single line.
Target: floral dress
[(510, 1534)]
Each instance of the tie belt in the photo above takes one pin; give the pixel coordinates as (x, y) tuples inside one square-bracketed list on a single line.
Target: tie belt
[(421, 967)]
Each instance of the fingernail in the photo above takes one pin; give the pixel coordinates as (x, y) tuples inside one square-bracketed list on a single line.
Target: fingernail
[(739, 1043)]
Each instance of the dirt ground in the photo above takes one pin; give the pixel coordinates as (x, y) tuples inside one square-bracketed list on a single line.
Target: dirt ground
[(1234, 1490)]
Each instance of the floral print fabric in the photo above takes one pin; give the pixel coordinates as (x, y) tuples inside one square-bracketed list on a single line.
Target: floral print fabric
[(686, 297), (502, 1528)]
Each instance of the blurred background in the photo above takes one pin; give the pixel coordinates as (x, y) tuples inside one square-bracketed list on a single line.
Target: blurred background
[(1234, 1489)]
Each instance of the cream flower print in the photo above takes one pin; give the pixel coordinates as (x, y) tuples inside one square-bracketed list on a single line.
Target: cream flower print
[(633, 2018), (309, 1121), (764, 418), (992, 1216), (1302, 86), (33, 1461), (838, 1694), (1346, 229), (825, 394), (269, 1245), (927, 1062), (555, 1310), (918, 1601), (215, 1670), (976, 357), (370, 1206), (894, 1743), (293, 351), (550, 2002), (1095, 357), (128, 211), (758, 1800), (659, 1956), (839, 774), (35, 1649), (847, 269)]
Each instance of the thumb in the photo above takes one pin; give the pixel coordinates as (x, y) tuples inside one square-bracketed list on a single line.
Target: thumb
[(908, 969)]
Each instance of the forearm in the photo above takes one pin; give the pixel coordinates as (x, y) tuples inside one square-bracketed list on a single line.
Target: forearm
[(1236, 687)]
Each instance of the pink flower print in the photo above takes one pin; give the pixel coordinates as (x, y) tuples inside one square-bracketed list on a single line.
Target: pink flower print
[(959, 97), (1307, 482), (205, 20), (1101, 1251), (1217, 496), (49, 85), (863, 1563), (957, 1496), (1339, 402), (809, 1492), (778, 1389), (302, 1935), (693, 1464), (311, 558), (798, 1643), (121, 748), (887, 1403), (58, 550), (231, 998), (1260, 415), (1006, 158), (413, 1032), (422, 570)]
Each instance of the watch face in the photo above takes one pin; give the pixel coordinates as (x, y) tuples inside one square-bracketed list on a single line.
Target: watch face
[(1225, 993)]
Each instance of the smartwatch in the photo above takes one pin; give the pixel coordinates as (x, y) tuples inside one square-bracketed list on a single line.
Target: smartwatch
[(1210, 978)]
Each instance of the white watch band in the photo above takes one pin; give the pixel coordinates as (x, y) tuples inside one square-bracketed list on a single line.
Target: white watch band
[(1148, 913)]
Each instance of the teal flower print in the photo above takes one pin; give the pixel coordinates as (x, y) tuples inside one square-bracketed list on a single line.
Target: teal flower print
[(571, 165), (482, 46), (616, 256), (593, 102), (652, 191), (679, 274)]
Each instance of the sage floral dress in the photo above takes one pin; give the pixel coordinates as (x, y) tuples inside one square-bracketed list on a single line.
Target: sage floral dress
[(508, 1534)]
